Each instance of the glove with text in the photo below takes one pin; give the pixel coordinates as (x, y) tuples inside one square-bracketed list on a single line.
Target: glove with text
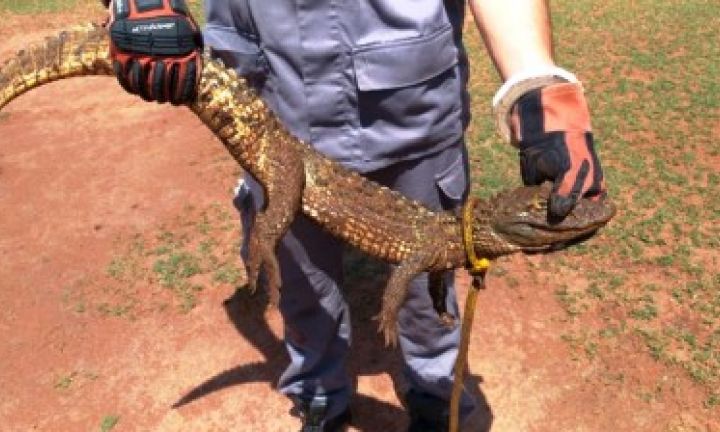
[(155, 48)]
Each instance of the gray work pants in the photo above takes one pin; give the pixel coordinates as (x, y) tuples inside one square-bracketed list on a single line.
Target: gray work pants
[(317, 318)]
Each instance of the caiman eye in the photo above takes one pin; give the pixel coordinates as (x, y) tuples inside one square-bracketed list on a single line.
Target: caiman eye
[(537, 203)]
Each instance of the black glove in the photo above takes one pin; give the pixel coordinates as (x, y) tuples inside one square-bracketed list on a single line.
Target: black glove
[(552, 128), (155, 47)]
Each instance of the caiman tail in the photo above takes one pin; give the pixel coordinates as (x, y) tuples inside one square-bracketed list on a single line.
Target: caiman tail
[(78, 51)]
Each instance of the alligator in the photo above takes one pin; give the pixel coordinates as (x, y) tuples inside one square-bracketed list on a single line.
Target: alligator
[(296, 178)]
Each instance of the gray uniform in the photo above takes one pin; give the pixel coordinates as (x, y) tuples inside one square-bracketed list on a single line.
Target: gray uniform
[(379, 86)]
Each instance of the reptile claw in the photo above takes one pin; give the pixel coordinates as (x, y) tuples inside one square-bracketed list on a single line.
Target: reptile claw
[(389, 330), (250, 286), (447, 320), (274, 296)]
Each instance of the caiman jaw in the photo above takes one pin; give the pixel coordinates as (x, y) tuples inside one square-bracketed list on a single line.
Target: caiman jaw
[(521, 219)]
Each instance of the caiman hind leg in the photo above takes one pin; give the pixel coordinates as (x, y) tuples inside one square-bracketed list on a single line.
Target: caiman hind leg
[(438, 293), (397, 291), (283, 184)]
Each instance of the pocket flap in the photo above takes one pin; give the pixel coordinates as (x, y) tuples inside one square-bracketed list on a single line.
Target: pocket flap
[(405, 62), (223, 38), (453, 181), (237, 50)]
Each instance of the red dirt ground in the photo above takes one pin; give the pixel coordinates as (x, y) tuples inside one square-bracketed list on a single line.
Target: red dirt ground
[(77, 174)]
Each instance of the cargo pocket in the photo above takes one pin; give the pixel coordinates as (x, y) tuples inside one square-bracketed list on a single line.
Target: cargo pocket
[(453, 183), (408, 94), (238, 50)]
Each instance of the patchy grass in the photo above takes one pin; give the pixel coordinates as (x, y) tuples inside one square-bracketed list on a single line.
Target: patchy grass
[(109, 422), (651, 278), (200, 251), (650, 281), (44, 6), (64, 382), (39, 6)]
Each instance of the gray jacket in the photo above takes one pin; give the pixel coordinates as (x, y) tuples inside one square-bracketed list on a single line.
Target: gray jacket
[(367, 82)]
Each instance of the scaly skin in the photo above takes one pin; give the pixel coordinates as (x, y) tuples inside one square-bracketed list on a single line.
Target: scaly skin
[(296, 178)]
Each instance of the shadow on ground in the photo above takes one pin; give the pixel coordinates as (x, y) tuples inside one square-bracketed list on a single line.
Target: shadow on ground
[(364, 280)]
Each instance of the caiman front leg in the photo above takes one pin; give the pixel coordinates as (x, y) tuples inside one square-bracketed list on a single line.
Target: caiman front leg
[(283, 184), (397, 290), (267, 151)]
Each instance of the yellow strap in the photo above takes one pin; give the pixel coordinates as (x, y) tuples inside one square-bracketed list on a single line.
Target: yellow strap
[(477, 268), (462, 357), (476, 265)]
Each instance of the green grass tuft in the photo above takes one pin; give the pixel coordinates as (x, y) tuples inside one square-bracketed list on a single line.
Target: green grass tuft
[(109, 422)]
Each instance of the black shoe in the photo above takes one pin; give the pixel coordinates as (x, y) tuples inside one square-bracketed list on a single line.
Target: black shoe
[(427, 413), (312, 414)]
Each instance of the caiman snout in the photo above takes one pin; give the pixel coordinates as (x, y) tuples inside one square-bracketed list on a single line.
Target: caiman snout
[(521, 218)]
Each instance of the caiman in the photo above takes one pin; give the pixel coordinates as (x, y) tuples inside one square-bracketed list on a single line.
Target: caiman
[(296, 178)]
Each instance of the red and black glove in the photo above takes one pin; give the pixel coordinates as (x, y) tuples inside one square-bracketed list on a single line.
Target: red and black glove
[(155, 48), (552, 128)]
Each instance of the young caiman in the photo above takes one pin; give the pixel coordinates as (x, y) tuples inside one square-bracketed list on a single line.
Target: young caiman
[(297, 178)]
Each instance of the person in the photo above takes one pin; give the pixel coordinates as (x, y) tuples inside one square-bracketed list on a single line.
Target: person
[(380, 87)]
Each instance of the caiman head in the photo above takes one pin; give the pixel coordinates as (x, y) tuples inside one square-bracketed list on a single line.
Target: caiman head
[(519, 219)]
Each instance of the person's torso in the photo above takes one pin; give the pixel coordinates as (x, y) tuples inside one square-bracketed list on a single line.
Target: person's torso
[(367, 82)]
